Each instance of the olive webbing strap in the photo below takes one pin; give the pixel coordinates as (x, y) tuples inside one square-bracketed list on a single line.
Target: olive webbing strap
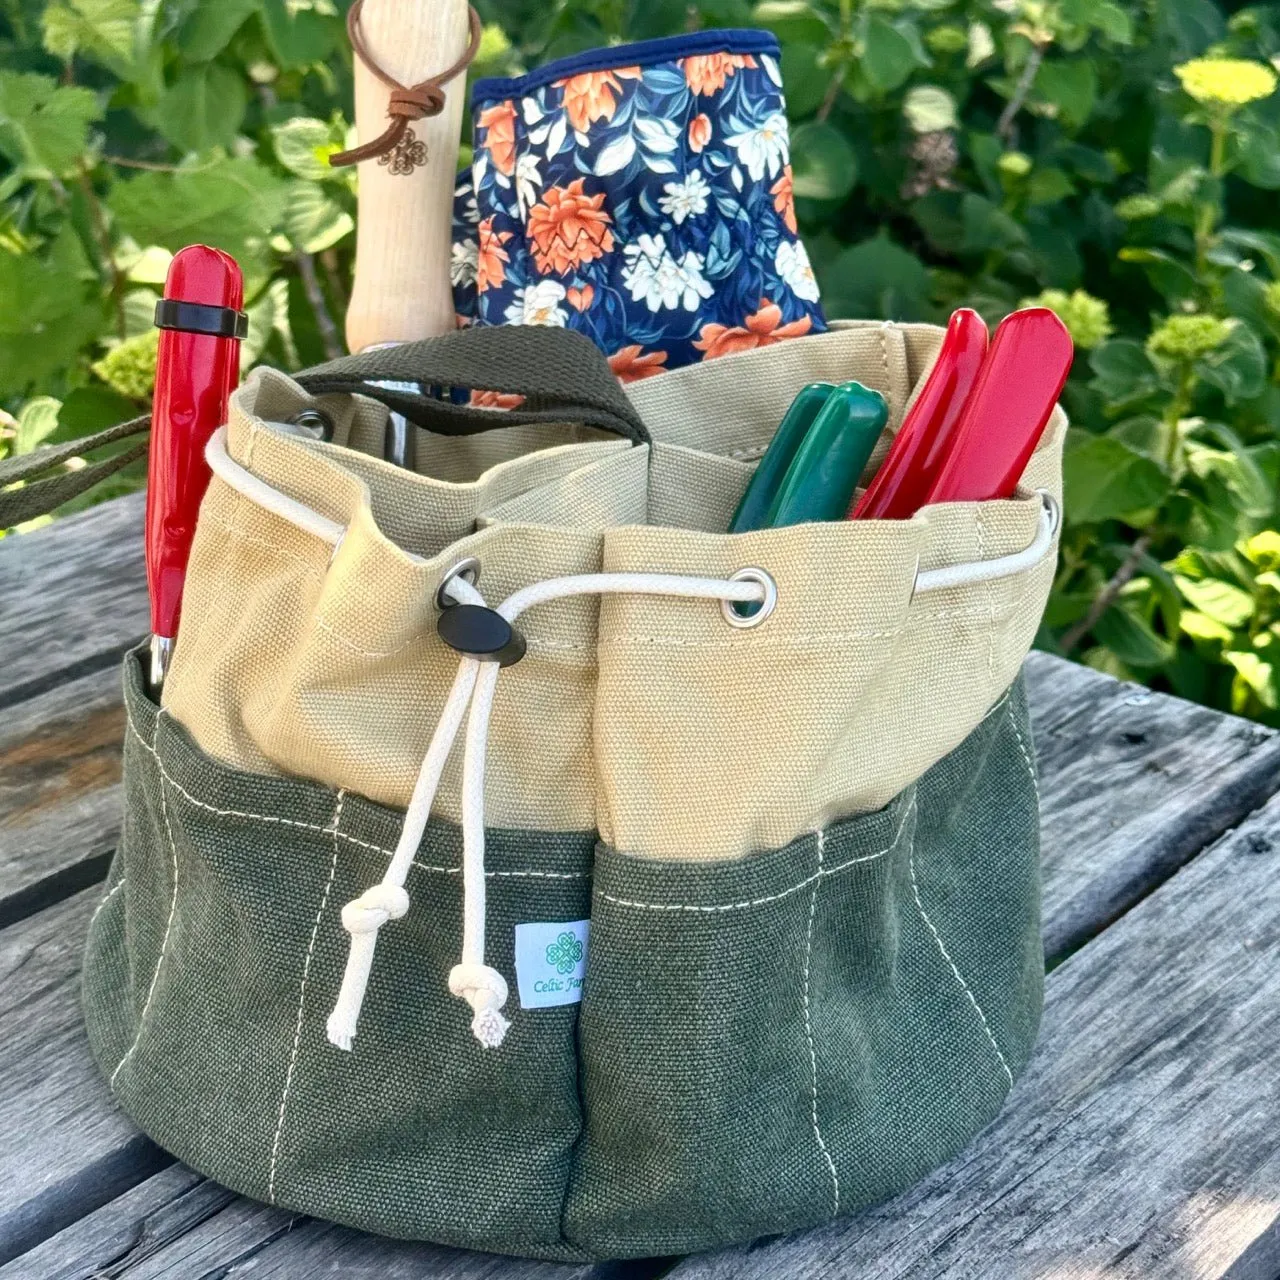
[(37, 497), (559, 375)]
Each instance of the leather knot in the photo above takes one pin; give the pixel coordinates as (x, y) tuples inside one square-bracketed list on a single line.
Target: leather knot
[(416, 102)]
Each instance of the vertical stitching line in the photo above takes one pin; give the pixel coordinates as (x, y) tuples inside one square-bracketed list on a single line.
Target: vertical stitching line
[(111, 893), (168, 927), (980, 525), (946, 955), (1026, 755), (808, 1033), (302, 1000)]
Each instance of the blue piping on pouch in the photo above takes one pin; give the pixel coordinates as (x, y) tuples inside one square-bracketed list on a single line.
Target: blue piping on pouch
[(642, 53)]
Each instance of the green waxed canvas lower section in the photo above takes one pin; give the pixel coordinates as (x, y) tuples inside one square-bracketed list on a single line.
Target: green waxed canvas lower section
[(762, 1044)]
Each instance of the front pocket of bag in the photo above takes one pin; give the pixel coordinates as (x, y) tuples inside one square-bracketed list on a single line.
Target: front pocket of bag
[(698, 1048), (773, 1041), (235, 885)]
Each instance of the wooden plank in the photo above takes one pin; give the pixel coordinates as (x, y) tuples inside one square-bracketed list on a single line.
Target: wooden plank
[(64, 1148), (180, 1229), (1142, 1140), (1133, 784), (60, 756), (81, 584)]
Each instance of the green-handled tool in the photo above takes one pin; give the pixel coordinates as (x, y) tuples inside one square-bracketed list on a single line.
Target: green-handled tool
[(753, 510), (823, 475)]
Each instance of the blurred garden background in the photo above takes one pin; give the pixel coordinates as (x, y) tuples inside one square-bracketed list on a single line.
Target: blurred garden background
[(1117, 161)]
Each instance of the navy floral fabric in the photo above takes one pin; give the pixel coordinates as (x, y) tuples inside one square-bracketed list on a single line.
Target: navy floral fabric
[(642, 195)]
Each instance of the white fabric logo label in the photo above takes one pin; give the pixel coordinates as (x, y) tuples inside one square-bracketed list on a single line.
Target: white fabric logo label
[(550, 961)]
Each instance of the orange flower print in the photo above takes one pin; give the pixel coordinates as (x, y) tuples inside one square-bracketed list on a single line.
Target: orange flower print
[(630, 366), (699, 132), (581, 299), (591, 96), (784, 200), (706, 73), (760, 330), (569, 229), (495, 400), (500, 140), (491, 257)]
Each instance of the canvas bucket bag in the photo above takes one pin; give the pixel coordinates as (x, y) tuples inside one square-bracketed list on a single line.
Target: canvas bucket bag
[(714, 915)]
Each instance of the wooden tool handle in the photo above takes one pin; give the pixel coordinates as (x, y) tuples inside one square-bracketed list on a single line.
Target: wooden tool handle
[(403, 228)]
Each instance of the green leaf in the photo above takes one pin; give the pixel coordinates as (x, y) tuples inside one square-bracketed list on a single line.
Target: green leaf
[(824, 166), (1113, 21), (46, 315), (1238, 368), (1259, 676), (203, 108), (1107, 480), (37, 421), (298, 37), (91, 408), (1221, 601), (1049, 186), (805, 78), (43, 126), (209, 27), (1122, 369), (1240, 471), (223, 202), (792, 20), (104, 30), (988, 227), (876, 278), (1132, 638), (888, 55), (1259, 156), (312, 220), (304, 145), (1071, 86), (1200, 626), (929, 109)]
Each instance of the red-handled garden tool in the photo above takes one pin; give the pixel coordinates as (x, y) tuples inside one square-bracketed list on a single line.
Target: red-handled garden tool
[(1008, 409), (198, 365)]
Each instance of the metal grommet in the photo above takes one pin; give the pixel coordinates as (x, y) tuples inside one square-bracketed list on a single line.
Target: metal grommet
[(1054, 508), (468, 569), (315, 423), (758, 612)]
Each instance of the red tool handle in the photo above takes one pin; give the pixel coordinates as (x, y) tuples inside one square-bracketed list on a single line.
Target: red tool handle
[(1008, 409), (901, 486), (198, 365)]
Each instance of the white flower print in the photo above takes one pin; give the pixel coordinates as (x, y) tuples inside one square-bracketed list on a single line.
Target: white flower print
[(528, 183), (763, 150), (792, 262), (539, 304), (687, 199), (464, 262), (658, 280)]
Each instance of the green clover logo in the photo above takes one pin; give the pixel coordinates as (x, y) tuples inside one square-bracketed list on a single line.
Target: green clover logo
[(564, 953)]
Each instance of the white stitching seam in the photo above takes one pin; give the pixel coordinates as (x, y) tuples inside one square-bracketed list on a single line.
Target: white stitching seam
[(1026, 755), (808, 1034), (946, 955), (302, 1001), (111, 893), (168, 927), (341, 835), (822, 873)]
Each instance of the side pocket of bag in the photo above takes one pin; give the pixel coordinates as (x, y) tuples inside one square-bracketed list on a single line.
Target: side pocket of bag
[(925, 1000)]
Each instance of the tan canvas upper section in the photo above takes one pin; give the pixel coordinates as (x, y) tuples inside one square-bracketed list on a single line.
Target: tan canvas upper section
[(649, 719)]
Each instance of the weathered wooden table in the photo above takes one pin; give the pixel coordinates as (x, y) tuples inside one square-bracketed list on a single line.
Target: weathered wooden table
[(1144, 1139)]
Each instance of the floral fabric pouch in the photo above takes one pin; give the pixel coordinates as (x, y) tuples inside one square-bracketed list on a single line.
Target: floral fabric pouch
[(642, 195)]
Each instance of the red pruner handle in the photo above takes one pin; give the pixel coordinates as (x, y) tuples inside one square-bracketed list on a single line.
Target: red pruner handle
[(198, 365)]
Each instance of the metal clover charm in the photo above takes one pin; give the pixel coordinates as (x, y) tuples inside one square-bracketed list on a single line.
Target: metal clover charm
[(408, 154)]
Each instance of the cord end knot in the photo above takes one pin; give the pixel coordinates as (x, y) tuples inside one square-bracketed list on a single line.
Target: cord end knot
[(485, 990)]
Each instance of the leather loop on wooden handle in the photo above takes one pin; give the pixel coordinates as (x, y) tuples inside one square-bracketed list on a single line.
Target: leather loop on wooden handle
[(408, 102)]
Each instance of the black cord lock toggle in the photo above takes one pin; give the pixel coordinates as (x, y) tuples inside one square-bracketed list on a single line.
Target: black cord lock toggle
[(481, 633)]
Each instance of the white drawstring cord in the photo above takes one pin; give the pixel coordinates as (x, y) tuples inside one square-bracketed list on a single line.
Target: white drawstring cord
[(483, 987)]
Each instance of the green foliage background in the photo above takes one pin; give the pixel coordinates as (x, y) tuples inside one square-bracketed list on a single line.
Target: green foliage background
[(946, 152)]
